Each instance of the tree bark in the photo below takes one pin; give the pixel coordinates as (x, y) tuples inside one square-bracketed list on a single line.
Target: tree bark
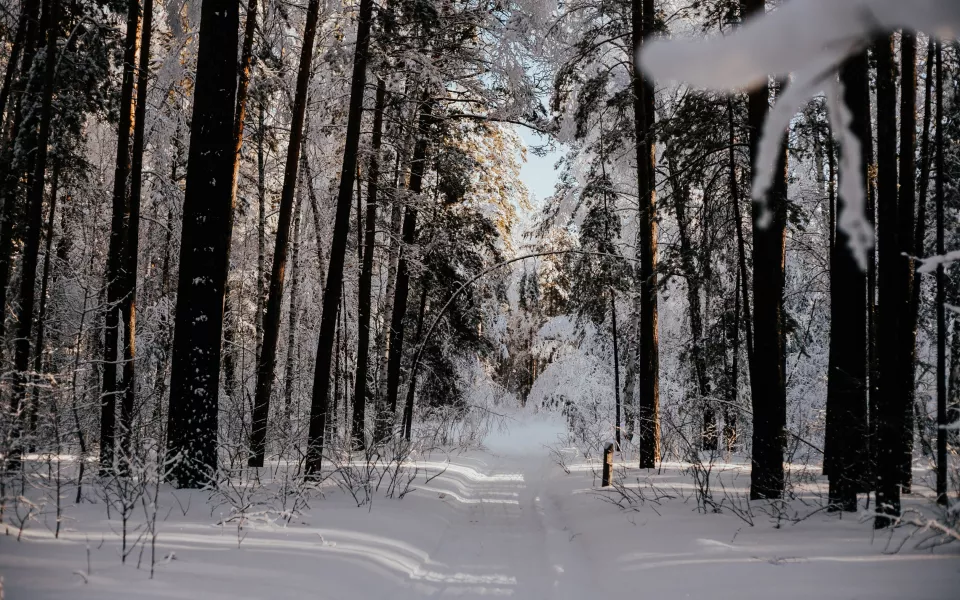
[(243, 85), (292, 311), (681, 193), (118, 230), (648, 404), (240, 112), (204, 250), (401, 294), (844, 454), (338, 248), (131, 245), (31, 248), (905, 231), (919, 235), (261, 232), (412, 386), (616, 365), (12, 61), (889, 451), (767, 377), (361, 390), (267, 361), (38, 365), (396, 224), (741, 245), (942, 465), (10, 170)]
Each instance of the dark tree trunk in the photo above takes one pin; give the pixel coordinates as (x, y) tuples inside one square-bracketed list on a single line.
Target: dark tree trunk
[(118, 229), (267, 361), (293, 317), (231, 320), (338, 248), (903, 384), (396, 223), (844, 453), (402, 289), (361, 390), (767, 377), (10, 170), (919, 249), (412, 386), (204, 250), (648, 404), (131, 245), (942, 465), (31, 247), (681, 196), (731, 409), (243, 84), (616, 365), (741, 245), (261, 231), (38, 365), (873, 359), (891, 416), (12, 61)]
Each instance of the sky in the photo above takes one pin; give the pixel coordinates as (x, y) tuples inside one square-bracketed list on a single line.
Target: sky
[(538, 173)]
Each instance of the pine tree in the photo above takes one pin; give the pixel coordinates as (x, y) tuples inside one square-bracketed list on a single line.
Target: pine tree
[(204, 250), (767, 377), (338, 247), (119, 224), (267, 360)]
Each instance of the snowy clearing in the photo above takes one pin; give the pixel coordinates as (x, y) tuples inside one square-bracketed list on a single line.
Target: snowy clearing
[(504, 521)]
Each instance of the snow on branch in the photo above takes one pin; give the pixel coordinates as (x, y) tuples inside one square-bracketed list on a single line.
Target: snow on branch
[(930, 264), (808, 39)]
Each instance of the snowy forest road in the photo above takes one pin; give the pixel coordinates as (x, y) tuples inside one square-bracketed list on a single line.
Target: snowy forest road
[(505, 521), (512, 538)]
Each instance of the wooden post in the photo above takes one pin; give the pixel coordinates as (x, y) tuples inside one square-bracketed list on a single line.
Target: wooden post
[(607, 464)]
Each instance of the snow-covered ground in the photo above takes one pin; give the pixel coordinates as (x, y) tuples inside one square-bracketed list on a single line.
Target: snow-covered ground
[(505, 521)]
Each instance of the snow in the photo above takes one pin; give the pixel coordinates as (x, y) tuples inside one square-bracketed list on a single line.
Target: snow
[(504, 521), (807, 39)]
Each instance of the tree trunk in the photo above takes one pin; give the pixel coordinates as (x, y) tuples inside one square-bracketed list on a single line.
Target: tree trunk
[(240, 112), (844, 453), (396, 224), (338, 248), (44, 281), (118, 229), (204, 250), (31, 248), (681, 194), (243, 84), (919, 235), (12, 61), (731, 409), (942, 465), (412, 386), (905, 231), (630, 375), (616, 365), (10, 170), (767, 377), (131, 245), (267, 361), (261, 232), (293, 317), (741, 246), (361, 390), (417, 169), (648, 405), (891, 416)]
